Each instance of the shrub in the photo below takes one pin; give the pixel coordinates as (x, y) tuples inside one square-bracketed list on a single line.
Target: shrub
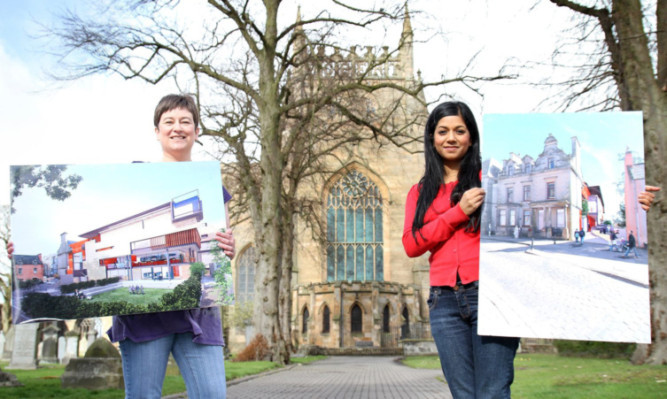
[(27, 284), (38, 305), (184, 296), (107, 281), (257, 349), (594, 349), (69, 288), (44, 305), (197, 268)]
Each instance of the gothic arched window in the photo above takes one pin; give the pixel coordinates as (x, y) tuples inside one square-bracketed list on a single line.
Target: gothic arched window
[(355, 319), (405, 327), (385, 319), (304, 320), (245, 282), (354, 230), (326, 317)]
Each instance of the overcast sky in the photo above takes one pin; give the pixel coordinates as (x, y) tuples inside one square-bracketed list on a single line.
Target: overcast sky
[(104, 119)]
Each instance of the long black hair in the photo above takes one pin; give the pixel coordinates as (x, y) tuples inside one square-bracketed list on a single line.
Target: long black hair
[(434, 174)]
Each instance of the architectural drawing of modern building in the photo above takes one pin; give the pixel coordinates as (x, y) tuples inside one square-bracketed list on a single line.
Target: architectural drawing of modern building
[(158, 243)]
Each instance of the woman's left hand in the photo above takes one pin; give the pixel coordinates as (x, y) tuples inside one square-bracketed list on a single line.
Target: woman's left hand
[(226, 242)]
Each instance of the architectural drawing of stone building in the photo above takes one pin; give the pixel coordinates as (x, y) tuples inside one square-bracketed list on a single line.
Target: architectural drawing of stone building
[(539, 197)]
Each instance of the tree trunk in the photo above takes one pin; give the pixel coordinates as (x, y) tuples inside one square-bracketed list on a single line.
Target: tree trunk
[(285, 295), (645, 94)]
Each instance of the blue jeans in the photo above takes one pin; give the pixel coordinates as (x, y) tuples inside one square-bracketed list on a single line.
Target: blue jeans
[(145, 365), (475, 367), (633, 249)]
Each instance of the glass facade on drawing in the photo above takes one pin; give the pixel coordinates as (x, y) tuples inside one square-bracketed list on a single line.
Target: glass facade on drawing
[(354, 230)]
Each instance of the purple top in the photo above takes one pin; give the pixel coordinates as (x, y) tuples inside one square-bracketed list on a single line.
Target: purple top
[(205, 323)]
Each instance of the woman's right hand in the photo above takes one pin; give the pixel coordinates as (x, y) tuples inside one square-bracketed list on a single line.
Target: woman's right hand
[(10, 249), (471, 200)]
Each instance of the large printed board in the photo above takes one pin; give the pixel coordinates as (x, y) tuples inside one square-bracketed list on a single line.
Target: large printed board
[(547, 178), (113, 239)]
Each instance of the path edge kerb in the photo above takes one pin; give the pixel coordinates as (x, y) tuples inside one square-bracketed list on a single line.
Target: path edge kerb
[(262, 374), (183, 395)]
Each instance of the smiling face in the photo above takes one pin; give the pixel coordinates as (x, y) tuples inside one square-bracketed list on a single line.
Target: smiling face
[(177, 133), (451, 140)]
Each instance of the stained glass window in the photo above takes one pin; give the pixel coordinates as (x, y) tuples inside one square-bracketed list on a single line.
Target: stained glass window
[(245, 284), (354, 230)]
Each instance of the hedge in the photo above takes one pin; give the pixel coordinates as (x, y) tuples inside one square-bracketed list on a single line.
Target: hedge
[(70, 288), (185, 296)]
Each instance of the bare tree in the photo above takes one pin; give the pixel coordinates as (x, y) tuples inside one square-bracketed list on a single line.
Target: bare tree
[(630, 69), (264, 90)]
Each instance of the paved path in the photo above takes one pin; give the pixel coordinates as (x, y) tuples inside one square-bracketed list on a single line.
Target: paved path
[(345, 377), (546, 292)]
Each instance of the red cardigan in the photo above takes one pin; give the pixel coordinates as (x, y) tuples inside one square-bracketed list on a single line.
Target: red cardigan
[(452, 249)]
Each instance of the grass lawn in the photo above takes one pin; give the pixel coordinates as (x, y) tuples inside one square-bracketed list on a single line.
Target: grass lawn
[(556, 377), (122, 294), (45, 381)]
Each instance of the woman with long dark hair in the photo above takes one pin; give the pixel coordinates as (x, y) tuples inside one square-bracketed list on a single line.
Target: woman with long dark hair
[(442, 215)]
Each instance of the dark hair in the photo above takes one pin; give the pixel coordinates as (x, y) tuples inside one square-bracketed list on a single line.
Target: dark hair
[(434, 174), (173, 101)]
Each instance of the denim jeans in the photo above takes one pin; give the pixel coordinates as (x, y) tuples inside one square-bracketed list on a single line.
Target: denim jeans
[(633, 249), (145, 365), (475, 367)]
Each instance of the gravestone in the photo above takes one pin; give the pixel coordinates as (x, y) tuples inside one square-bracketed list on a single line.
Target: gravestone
[(24, 355), (50, 344), (62, 348), (2, 342), (9, 344), (71, 346), (91, 336), (100, 368)]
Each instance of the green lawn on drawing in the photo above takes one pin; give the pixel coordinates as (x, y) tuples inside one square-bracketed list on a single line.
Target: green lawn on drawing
[(150, 295)]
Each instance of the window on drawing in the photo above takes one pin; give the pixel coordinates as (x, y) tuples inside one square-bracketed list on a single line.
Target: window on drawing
[(526, 193), (560, 218), (552, 163), (551, 190), (510, 195), (502, 217), (526, 218)]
